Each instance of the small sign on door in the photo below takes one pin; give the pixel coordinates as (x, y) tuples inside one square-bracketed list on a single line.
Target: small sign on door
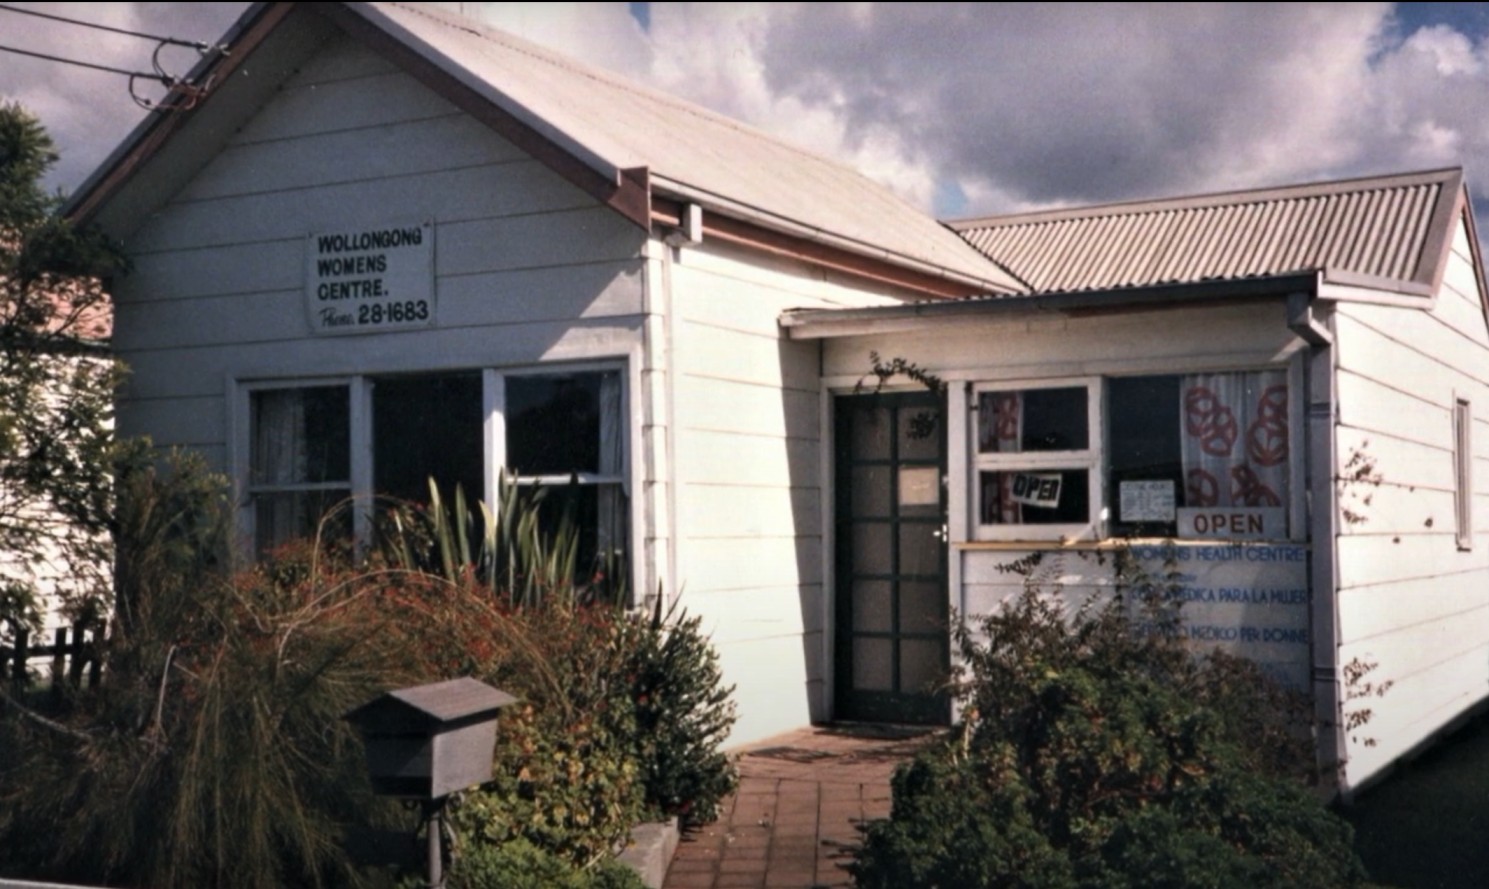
[(920, 486)]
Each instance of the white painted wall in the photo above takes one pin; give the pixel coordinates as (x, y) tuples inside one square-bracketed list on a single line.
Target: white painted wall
[(726, 412), (749, 468), (1409, 600), (527, 268)]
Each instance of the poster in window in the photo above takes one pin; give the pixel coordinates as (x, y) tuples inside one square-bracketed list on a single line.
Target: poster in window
[(1146, 501), (1040, 489)]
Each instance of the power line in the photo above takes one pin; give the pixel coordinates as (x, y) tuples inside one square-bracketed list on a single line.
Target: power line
[(186, 95), (112, 70), (172, 41)]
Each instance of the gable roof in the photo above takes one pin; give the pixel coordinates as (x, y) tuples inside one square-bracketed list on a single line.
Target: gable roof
[(643, 152), (1392, 232)]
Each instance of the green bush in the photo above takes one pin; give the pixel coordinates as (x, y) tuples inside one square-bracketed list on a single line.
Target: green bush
[(683, 716), (519, 864), (565, 773), (214, 752), (1098, 751)]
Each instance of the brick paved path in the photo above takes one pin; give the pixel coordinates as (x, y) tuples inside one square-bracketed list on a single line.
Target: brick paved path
[(794, 822)]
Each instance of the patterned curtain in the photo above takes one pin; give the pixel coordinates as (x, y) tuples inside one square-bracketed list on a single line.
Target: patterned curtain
[(1000, 430), (1235, 439)]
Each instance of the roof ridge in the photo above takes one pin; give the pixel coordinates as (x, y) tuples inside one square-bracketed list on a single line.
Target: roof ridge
[(1210, 200)]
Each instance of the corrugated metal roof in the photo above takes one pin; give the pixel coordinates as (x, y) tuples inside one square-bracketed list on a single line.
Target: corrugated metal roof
[(1384, 227), (613, 124)]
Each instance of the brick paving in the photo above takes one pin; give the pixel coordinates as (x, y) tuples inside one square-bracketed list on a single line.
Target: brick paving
[(794, 822)]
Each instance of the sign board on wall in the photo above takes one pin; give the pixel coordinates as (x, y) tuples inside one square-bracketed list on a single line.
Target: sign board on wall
[(1246, 599), (371, 279)]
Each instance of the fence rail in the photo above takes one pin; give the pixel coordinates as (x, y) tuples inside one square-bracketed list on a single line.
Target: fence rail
[(75, 652)]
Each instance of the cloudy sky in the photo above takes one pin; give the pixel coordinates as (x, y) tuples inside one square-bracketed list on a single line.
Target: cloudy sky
[(964, 109)]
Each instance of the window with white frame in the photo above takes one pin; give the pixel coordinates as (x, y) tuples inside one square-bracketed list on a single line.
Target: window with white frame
[(1463, 472), (1179, 455), (299, 459), (1035, 456), (564, 430)]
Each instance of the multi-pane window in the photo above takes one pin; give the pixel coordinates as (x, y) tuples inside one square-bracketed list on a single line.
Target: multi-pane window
[(300, 460), (564, 430), (1035, 457), (1182, 455)]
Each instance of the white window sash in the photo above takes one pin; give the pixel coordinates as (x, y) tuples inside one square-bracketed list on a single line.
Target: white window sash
[(614, 457), (1088, 459)]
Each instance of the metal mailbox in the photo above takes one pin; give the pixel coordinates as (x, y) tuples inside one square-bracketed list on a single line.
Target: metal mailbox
[(430, 741)]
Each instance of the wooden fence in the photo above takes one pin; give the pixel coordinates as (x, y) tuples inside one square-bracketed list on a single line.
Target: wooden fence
[(74, 653)]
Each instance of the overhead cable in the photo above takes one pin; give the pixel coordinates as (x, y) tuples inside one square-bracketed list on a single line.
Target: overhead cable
[(172, 41), (181, 96)]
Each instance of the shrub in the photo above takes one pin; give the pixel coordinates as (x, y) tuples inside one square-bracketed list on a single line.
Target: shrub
[(565, 776), (521, 865), (214, 753), (683, 716), (1097, 751)]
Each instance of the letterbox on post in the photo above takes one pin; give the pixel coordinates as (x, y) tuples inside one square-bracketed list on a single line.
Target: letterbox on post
[(430, 741)]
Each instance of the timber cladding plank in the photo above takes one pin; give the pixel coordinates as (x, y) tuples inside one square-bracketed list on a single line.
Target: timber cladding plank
[(205, 370), (427, 145), (1377, 611), (303, 109), (727, 510), (715, 405), (449, 197)]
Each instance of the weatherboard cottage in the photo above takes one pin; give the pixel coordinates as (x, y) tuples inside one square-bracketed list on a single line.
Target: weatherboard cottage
[(386, 243)]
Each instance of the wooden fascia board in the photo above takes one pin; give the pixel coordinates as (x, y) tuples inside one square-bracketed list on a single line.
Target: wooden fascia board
[(1437, 250), (1475, 253), (164, 125), (823, 323), (756, 237), (628, 192)]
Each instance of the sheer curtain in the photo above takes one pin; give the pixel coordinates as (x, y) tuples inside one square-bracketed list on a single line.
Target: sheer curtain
[(1234, 438), (280, 457)]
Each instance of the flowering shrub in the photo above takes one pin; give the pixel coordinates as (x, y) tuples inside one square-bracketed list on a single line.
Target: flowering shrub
[(214, 753)]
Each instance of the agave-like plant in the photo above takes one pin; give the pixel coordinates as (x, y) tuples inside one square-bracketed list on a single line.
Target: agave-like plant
[(510, 548)]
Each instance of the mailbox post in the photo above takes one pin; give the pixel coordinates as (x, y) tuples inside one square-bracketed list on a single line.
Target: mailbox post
[(428, 742)]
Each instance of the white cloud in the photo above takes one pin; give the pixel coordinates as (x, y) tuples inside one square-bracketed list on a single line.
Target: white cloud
[(1014, 106)]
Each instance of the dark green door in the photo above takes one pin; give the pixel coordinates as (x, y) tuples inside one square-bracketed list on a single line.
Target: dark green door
[(892, 652)]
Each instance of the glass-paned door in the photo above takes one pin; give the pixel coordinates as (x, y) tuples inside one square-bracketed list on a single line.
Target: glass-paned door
[(893, 647)]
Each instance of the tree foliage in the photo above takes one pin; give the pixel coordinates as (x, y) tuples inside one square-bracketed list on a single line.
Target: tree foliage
[(56, 387)]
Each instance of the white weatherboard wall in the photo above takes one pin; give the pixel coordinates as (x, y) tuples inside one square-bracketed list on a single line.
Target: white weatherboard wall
[(749, 469), (527, 267), (1409, 600)]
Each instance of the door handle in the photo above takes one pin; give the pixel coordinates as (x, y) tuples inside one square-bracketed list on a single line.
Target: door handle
[(941, 534)]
